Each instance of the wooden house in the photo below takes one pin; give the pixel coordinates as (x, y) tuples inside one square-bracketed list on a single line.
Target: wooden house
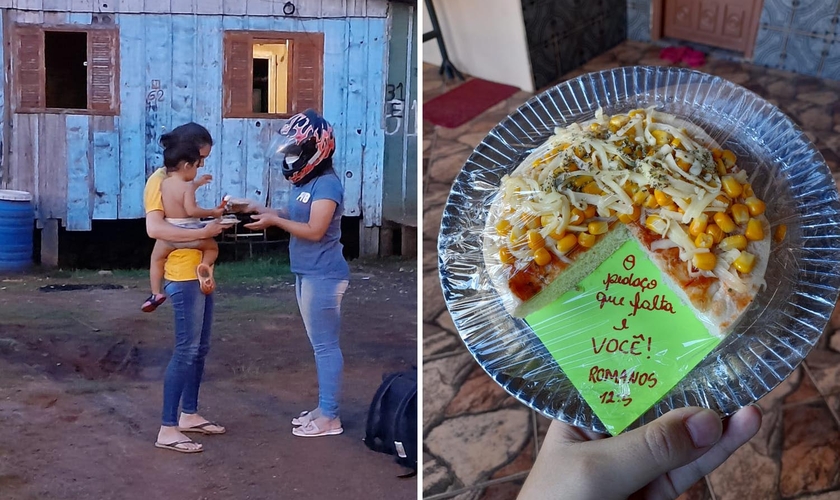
[(91, 85)]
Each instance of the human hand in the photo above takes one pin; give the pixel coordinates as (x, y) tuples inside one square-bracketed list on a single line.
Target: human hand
[(262, 221), (213, 228), (203, 179), (660, 460), (218, 212)]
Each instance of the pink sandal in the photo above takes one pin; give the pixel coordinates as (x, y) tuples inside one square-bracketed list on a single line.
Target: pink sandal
[(153, 302)]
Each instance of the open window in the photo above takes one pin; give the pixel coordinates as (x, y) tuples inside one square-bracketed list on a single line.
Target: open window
[(66, 69), (272, 74)]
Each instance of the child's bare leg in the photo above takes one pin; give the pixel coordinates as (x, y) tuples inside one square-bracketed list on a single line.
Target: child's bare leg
[(159, 254), (210, 251)]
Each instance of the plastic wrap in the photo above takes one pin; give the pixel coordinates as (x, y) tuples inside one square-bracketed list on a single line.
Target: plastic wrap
[(769, 339)]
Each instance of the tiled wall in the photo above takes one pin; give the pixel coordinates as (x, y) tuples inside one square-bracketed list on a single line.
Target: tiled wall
[(564, 34), (802, 36)]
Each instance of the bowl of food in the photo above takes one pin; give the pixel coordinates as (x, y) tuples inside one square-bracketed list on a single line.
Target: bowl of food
[(721, 192)]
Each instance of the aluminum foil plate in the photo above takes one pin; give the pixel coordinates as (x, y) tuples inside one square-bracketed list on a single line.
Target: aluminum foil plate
[(779, 328)]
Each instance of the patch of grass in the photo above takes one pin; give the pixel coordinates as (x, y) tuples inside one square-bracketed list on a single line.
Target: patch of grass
[(254, 270)]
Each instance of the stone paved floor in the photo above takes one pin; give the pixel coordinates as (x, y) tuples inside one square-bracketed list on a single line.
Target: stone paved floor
[(480, 443)]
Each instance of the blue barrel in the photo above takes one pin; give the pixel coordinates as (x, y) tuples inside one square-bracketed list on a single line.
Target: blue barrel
[(16, 227)]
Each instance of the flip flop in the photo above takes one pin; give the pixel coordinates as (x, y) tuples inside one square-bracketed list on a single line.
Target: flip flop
[(152, 303), (302, 419), (174, 446), (205, 278), (202, 428), (312, 430)]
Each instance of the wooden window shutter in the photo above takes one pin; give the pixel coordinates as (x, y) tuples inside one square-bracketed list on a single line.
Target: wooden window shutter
[(308, 72), (29, 68), (238, 80), (103, 85)]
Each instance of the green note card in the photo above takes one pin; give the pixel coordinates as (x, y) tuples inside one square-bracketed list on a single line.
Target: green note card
[(623, 337)]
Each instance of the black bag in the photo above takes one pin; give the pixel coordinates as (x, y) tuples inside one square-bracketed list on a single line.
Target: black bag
[(392, 419)]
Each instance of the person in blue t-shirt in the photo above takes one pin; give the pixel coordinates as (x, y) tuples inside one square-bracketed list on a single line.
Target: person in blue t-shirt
[(306, 145)]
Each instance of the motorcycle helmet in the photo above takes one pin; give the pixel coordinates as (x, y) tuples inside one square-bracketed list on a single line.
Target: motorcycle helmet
[(305, 145)]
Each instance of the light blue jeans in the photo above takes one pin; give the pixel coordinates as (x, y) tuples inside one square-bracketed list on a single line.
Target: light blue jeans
[(193, 321), (319, 300)]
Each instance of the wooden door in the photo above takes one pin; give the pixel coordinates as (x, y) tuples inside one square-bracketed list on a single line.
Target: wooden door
[(728, 24)]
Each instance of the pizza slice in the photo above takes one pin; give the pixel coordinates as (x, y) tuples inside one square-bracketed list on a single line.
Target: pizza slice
[(646, 175)]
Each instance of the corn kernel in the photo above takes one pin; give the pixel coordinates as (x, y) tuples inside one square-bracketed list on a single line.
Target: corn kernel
[(640, 197), (577, 217), (723, 199), (628, 218), (535, 240), (595, 127), (684, 165), (747, 191), (676, 142), (592, 188), (587, 240), (724, 222), (591, 211), (755, 205), (567, 243), (503, 227), (740, 213), (698, 225), (635, 112), (781, 232), (754, 230), (705, 261), (720, 167), (704, 240), (745, 262), (655, 224), (728, 158), (650, 202), (715, 231), (671, 206), (618, 121), (732, 187), (598, 227), (661, 137), (661, 198), (736, 241), (557, 234), (717, 153), (506, 257), (542, 256)]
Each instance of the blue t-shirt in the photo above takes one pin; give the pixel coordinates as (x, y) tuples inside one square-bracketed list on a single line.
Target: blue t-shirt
[(323, 258)]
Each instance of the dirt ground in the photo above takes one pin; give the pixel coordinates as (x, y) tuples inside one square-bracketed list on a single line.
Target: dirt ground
[(81, 375)]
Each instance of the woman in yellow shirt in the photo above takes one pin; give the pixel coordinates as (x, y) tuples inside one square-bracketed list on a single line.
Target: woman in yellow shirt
[(193, 310)]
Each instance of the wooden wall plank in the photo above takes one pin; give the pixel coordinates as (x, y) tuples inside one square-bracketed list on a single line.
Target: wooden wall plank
[(374, 136), (234, 154), (154, 6), (258, 7), (208, 98), (377, 8), (183, 69), (56, 17), (106, 171), (333, 8), (28, 17), (234, 146), (336, 39), (81, 5), (30, 4), (132, 121), (4, 126), (132, 6), (22, 160), (79, 176), (182, 6), (158, 86), (106, 6), (234, 7), (57, 5), (52, 178), (79, 18), (354, 125), (215, 7)]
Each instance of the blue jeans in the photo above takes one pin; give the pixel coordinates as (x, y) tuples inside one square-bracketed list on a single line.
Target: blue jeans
[(193, 320), (319, 301)]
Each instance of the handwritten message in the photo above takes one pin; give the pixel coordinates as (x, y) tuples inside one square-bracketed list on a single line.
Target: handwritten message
[(623, 337)]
